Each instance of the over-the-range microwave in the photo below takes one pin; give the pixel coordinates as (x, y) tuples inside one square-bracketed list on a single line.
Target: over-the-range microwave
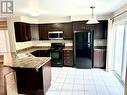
[(55, 35)]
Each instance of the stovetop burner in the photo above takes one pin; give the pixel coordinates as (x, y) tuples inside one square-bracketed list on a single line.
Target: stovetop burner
[(57, 46)]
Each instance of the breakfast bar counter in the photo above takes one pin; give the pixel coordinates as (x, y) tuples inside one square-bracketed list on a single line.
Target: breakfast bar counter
[(30, 62), (33, 74)]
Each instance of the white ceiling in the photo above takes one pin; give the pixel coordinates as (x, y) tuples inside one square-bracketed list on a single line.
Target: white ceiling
[(66, 7)]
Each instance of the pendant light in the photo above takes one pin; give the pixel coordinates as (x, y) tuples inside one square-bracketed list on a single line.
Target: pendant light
[(93, 20)]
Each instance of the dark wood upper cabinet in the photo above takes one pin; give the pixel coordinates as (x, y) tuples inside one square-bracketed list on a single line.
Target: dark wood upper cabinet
[(81, 26), (22, 31), (55, 27), (65, 27), (68, 31), (45, 28), (43, 31), (101, 30)]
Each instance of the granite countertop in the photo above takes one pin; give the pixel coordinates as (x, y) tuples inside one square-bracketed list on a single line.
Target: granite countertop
[(29, 61), (31, 49), (24, 59), (34, 48)]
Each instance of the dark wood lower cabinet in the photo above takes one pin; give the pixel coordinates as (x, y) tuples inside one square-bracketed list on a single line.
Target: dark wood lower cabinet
[(33, 82), (41, 53), (68, 57), (100, 58)]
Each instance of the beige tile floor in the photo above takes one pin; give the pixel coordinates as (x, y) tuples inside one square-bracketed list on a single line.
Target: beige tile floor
[(72, 81)]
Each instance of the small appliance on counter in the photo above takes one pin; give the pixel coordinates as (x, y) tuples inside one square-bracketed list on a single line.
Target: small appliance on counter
[(56, 53)]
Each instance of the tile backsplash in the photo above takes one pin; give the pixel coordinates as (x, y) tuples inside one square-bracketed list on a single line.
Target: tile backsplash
[(100, 42), (22, 45)]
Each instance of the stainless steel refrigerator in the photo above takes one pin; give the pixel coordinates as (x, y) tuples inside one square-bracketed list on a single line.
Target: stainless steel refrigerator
[(83, 49)]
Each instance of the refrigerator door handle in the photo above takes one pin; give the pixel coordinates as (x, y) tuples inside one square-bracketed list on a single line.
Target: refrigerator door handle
[(89, 38)]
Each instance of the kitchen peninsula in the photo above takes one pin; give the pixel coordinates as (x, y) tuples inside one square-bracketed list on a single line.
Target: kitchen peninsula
[(33, 74)]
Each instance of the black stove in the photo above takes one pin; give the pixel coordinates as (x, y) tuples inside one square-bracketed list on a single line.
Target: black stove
[(56, 53)]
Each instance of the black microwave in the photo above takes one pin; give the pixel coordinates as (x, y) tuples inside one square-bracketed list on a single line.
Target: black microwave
[(55, 35)]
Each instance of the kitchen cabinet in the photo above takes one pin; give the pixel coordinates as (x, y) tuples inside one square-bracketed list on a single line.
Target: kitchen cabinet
[(41, 53), (43, 31), (22, 31), (55, 27), (68, 57), (45, 28), (101, 30), (81, 26), (65, 27), (99, 58), (68, 31), (33, 82)]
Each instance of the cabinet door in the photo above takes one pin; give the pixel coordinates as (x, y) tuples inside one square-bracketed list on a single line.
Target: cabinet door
[(55, 27), (22, 31), (68, 58), (18, 33), (44, 53), (68, 31), (101, 30), (43, 31), (100, 58)]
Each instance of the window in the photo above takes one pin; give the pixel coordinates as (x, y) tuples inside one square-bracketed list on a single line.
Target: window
[(119, 59)]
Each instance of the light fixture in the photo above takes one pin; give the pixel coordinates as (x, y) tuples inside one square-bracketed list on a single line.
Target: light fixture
[(93, 20), (34, 13)]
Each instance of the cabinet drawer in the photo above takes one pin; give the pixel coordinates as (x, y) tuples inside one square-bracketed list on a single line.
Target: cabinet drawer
[(68, 55), (100, 58), (67, 58), (68, 51), (68, 63)]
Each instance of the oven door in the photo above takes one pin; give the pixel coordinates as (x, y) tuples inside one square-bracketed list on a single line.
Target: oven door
[(57, 58)]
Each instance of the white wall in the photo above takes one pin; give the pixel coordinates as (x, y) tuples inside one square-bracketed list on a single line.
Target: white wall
[(109, 47), (52, 19), (121, 18), (87, 17), (11, 33)]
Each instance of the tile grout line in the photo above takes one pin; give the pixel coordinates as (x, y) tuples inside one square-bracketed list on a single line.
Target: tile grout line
[(94, 81), (63, 82)]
